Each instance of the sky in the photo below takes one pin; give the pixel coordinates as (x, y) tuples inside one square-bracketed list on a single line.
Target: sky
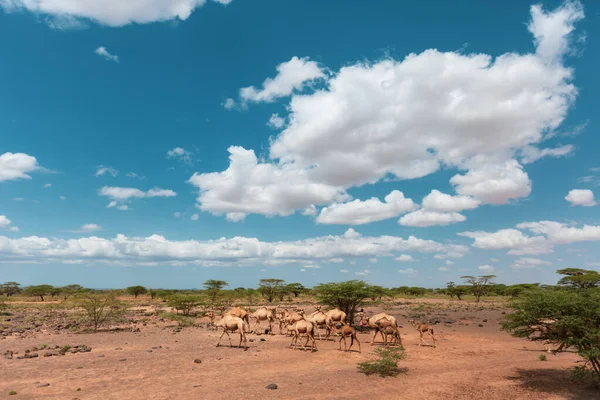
[(167, 142)]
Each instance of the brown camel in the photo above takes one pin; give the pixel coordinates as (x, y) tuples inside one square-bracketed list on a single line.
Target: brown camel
[(229, 323), (386, 327), (263, 314), (303, 328), (346, 331), (287, 319), (422, 327), (239, 312), (372, 323), (333, 316)]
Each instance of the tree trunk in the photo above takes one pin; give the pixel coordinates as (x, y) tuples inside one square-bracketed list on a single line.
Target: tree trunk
[(42, 297)]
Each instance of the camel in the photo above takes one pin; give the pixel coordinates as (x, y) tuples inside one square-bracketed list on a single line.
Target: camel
[(344, 332), (422, 328), (372, 323), (239, 312), (287, 319), (335, 315), (385, 326), (230, 323), (542, 328), (303, 328), (263, 314), (319, 319)]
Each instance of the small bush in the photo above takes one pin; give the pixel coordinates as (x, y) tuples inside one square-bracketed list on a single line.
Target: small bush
[(101, 309), (12, 393), (184, 303), (43, 346), (385, 363), (182, 320), (65, 348), (542, 357)]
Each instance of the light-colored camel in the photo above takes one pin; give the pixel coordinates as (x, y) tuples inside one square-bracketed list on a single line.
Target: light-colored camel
[(263, 314), (385, 326), (303, 328), (239, 312), (319, 319), (288, 319), (346, 331), (229, 323), (422, 328), (542, 328), (333, 316), (372, 323)]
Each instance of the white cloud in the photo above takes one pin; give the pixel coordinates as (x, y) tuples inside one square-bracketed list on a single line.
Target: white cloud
[(291, 75), (494, 260), (442, 202), (405, 258), (88, 228), (102, 52), (250, 186), (524, 263), (373, 260), (581, 197), (358, 212), (74, 13), (449, 262), (362, 273), (6, 223), (310, 211), (46, 185), (516, 241), (407, 271), (177, 214), (180, 154), (229, 104), (104, 170), (62, 197), (562, 234), (344, 271), (15, 166), (443, 269), (531, 154), (494, 183), (423, 218), (406, 119), (132, 175), (120, 195), (194, 217), (487, 268), (240, 251), (276, 122)]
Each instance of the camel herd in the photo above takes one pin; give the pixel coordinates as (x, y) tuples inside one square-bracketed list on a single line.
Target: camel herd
[(299, 325)]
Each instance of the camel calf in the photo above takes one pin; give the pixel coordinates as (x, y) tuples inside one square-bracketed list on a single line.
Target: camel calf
[(344, 332), (381, 320), (423, 328)]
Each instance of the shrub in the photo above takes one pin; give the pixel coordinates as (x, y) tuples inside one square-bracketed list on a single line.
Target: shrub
[(184, 303), (542, 357), (12, 393), (100, 309), (136, 290), (385, 363)]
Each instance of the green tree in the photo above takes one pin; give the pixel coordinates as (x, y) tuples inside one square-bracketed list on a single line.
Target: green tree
[(101, 308), (184, 303), (348, 296), (10, 288), (39, 291), (295, 288), (270, 288), (213, 287), (576, 322), (479, 285), (579, 278), (136, 290), (70, 290)]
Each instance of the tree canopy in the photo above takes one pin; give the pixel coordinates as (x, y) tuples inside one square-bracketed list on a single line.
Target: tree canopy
[(10, 288), (347, 296), (579, 278), (479, 284), (136, 290), (39, 290), (270, 288)]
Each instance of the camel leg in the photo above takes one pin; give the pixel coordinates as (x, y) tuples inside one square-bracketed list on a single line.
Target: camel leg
[(375, 334), (229, 337), (293, 339), (340, 344), (314, 343), (308, 336), (432, 338), (351, 341), (219, 342), (358, 341)]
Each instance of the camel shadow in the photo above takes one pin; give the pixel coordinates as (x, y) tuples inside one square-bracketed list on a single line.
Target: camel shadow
[(557, 382)]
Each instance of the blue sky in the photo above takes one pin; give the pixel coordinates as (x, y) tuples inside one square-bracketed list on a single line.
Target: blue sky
[(403, 144)]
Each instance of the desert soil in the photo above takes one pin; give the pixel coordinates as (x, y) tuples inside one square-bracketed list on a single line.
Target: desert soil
[(469, 362)]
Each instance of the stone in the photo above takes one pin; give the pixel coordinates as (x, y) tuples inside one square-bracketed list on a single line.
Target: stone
[(43, 385), (8, 355), (48, 354), (123, 359), (263, 339), (198, 361), (271, 386)]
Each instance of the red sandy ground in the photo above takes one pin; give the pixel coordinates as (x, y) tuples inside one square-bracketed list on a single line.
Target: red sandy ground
[(470, 362)]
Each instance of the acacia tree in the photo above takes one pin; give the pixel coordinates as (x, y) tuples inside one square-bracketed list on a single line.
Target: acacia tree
[(39, 291), (70, 290), (579, 278), (576, 322), (101, 308), (454, 290), (213, 287), (136, 290), (479, 284), (295, 288), (10, 288), (270, 288), (348, 296)]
